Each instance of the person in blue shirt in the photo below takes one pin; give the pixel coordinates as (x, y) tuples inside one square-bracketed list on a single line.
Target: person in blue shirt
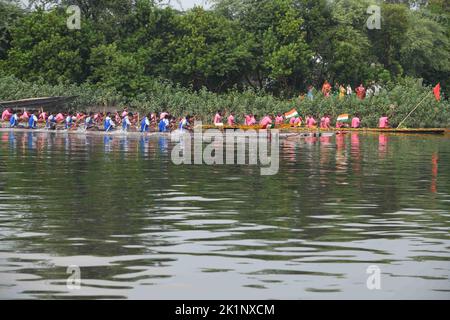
[(126, 123), (164, 124), (109, 123), (145, 123), (184, 124), (89, 122), (32, 121), (69, 121), (14, 120), (51, 122)]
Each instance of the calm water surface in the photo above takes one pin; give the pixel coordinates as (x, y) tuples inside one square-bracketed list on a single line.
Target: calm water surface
[(140, 227)]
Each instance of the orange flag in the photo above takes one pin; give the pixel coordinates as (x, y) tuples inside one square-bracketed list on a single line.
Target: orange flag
[(437, 92)]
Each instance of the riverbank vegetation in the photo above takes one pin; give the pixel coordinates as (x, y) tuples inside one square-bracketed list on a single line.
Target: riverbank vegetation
[(241, 56)]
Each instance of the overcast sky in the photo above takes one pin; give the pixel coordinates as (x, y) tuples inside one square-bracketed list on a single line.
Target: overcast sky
[(187, 4), (178, 4)]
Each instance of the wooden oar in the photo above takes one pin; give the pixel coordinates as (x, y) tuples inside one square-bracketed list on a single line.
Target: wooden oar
[(414, 109)]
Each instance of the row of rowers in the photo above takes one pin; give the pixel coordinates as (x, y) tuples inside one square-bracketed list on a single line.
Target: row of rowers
[(91, 121), (295, 120)]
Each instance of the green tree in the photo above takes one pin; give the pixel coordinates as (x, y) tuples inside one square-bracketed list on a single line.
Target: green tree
[(211, 51), (42, 47), (10, 12)]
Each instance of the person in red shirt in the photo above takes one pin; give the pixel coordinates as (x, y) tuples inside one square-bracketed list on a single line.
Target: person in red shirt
[(361, 92)]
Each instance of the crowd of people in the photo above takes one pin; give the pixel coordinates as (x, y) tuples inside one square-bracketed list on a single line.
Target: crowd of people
[(341, 90), (165, 122)]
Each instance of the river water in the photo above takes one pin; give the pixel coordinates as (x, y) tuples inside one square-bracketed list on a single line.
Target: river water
[(137, 226)]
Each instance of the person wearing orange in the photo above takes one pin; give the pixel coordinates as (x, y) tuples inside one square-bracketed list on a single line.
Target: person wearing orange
[(326, 89)]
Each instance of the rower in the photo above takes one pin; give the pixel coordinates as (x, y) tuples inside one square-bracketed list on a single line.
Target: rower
[(184, 124), (126, 123), (383, 122), (279, 119), (164, 124), (6, 115), (109, 123), (14, 120), (218, 119), (59, 117), (51, 122), (69, 121), (325, 122), (266, 122), (231, 122), (89, 122), (310, 122), (32, 122), (356, 122), (145, 123)]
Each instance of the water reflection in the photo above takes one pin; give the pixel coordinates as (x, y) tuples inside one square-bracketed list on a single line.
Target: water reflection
[(141, 227)]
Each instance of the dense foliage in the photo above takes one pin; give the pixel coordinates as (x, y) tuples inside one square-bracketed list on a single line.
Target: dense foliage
[(395, 100), (244, 55)]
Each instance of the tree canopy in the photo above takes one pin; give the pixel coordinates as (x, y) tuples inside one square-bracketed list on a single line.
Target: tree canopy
[(278, 46)]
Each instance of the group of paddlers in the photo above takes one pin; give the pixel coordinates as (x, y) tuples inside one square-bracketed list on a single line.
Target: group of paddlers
[(95, 121), (165, 122), (293, 119)]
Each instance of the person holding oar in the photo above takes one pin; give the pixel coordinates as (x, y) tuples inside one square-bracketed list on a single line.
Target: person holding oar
[(126, 123), (33, 120), (145, 123), (109, 123)]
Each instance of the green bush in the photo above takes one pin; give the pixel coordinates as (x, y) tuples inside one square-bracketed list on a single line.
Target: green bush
[(396, 100)]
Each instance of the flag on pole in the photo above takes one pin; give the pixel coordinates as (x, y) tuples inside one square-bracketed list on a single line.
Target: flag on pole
[(437, 92), (291, 114), (343, 118)]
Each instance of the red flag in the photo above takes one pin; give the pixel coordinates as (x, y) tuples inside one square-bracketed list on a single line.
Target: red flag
[(437, 92)]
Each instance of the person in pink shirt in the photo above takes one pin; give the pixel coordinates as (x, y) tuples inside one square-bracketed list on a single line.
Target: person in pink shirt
[(384, 122), (230, 121), (218, 119), (42, 117), (292, 121), (266, 122), (6, 115), (250, 120), (279, 119), (25, 116), (80, 116), (325, 122), (59, 117), (298, 121), (310, 122), (124, 112), (356, 122), (247, 118)]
